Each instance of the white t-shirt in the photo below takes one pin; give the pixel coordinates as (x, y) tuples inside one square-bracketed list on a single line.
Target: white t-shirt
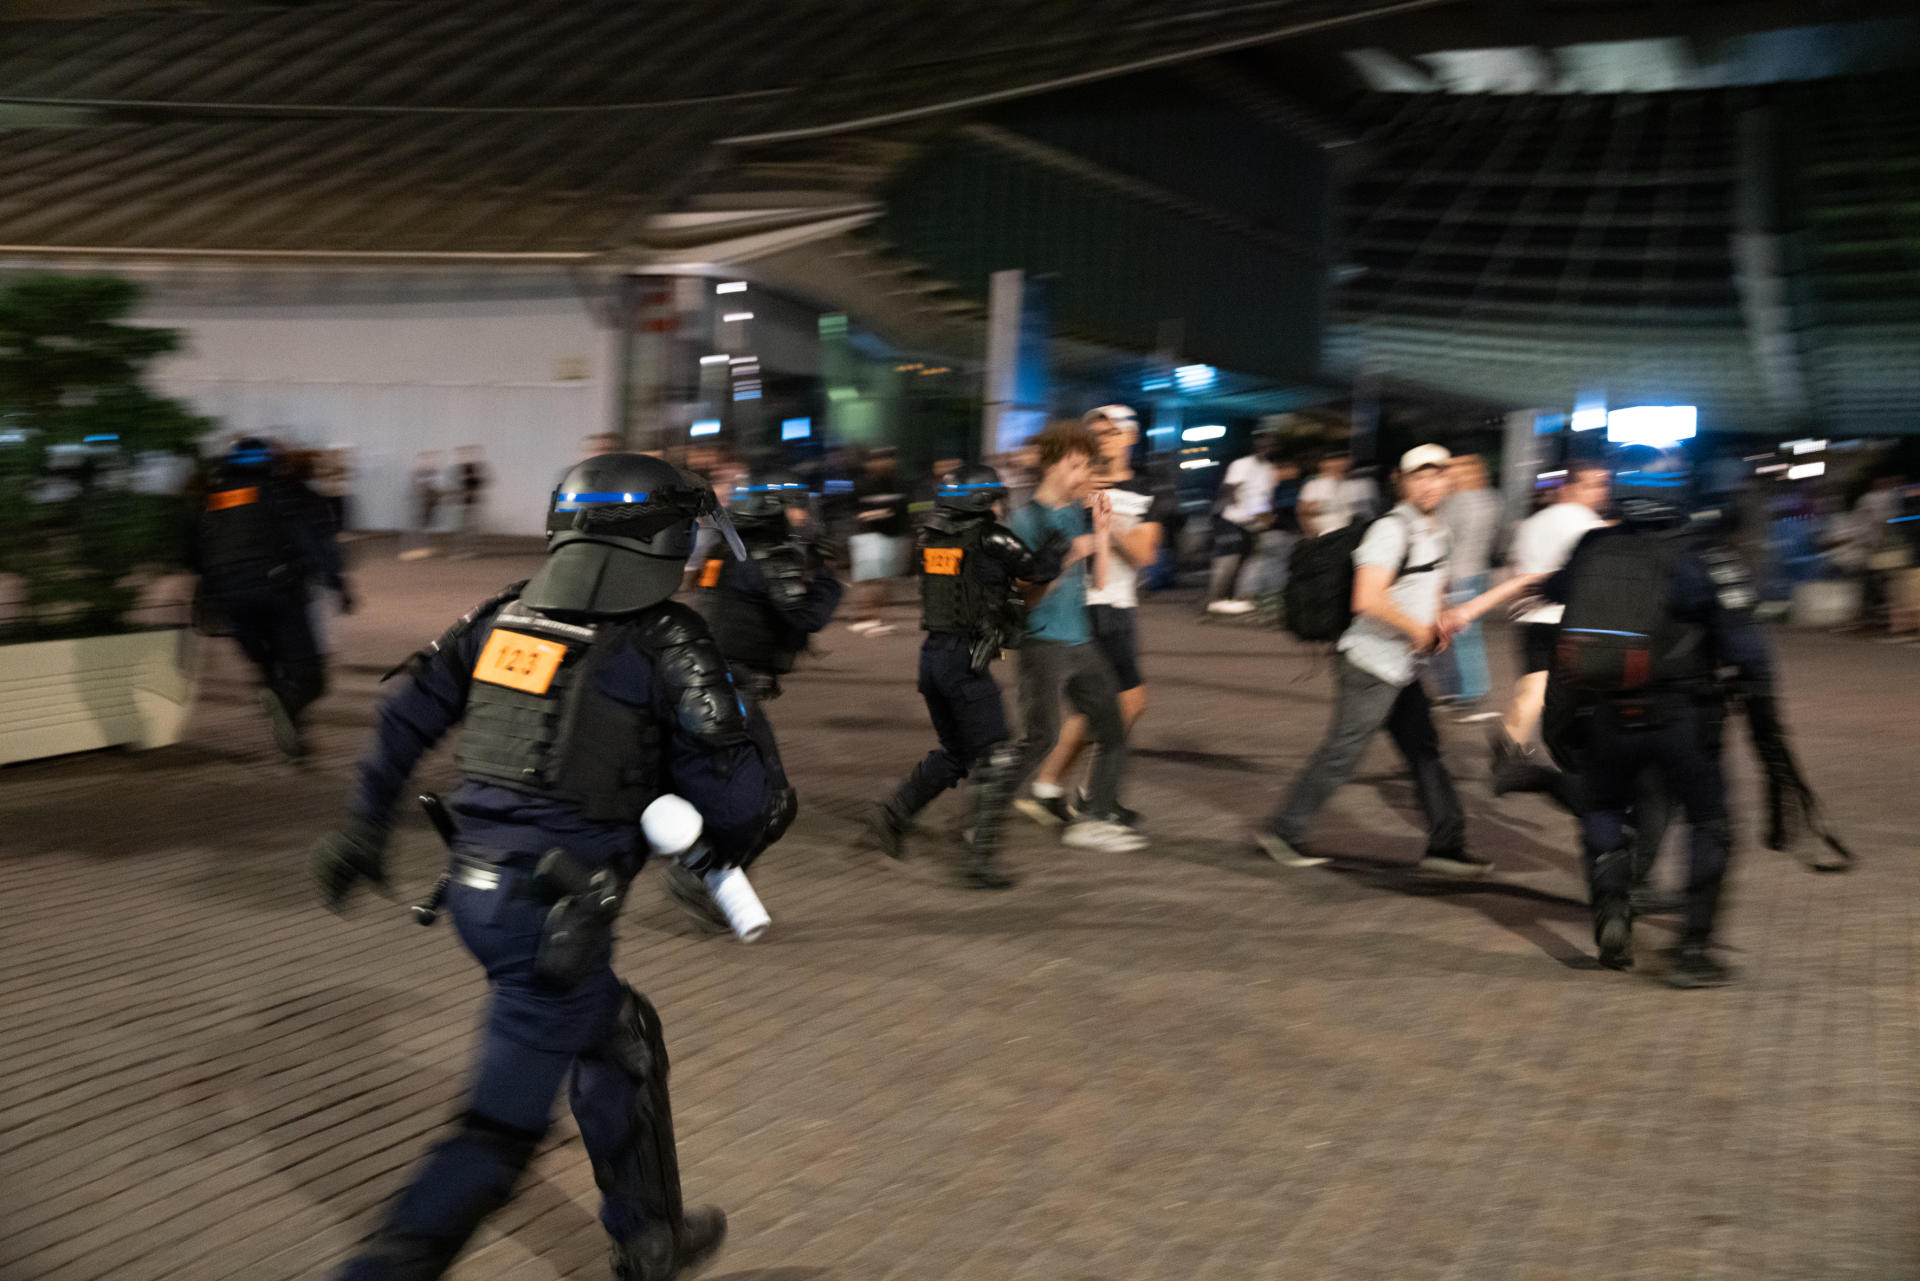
[(1543, 544), (1341, 501), (1378, 648), (1253, 479), (1122, 591)]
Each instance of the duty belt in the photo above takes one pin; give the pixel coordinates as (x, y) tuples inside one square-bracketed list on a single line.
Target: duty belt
[(479, 874)]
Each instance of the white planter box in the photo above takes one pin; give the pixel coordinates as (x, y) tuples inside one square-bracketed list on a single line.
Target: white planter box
[(78, 695)]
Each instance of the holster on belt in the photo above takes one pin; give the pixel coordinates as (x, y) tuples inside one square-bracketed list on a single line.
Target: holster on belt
[(586, 901)]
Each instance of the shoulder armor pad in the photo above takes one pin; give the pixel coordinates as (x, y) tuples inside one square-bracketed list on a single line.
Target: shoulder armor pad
[(452, 635), (698, 683)]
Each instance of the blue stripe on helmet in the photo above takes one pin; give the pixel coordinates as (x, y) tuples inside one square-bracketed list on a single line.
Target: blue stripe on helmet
[(571, 502)]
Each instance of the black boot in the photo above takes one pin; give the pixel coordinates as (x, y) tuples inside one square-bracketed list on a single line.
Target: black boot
[(1609, 888), (888, 828), (692, 896), (1692, 965), (1613, 934), (657, 1254), (978, 872)]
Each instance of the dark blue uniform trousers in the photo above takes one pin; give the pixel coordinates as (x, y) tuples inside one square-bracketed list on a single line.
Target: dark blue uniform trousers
[(1680, 743), (968, 715), (273, 629), (535, 1037)]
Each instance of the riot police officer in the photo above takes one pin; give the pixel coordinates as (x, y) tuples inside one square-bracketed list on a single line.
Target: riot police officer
[(258, 542), (970, 568), (1637, 671), (586, 694), (763, 610)]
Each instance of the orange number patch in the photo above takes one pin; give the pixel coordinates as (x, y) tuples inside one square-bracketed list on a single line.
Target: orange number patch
[(942, 560), (710, 576), (220, 500), (519, 662)]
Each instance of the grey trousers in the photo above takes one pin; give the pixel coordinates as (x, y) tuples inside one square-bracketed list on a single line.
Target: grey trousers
[(1362, 705), (1084, 675)]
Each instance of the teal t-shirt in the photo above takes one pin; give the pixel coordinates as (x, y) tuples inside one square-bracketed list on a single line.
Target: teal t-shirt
[(1061, 615)]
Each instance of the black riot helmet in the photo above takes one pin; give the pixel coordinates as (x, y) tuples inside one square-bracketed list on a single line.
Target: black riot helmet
[(619, 531), (248, 456), (1652, 488), (970, 489), (759, 503)]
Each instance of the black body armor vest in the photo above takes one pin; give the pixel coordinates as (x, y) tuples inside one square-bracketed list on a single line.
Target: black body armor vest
[(746, 626), (241, 533), (954, 593), (538, 722)]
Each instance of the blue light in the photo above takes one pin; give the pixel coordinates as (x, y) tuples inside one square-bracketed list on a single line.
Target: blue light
[(1155, 384), (1548, 424), (95, 440), (584, 498), (796, 428), (1193, 378), (705, 427), (746, 395)]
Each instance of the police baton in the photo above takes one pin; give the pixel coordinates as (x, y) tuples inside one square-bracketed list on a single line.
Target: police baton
[(427, 910)]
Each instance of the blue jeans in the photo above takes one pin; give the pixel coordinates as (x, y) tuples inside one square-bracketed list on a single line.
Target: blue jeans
[(1462, 669)]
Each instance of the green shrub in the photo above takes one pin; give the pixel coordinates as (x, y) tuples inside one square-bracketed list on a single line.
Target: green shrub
[(75, 421)]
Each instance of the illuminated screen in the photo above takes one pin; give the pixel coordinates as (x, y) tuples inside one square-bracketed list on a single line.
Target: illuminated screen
[(1659, 425)]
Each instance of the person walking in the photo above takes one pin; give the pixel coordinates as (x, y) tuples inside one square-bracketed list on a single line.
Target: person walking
[(1058, 657), (1399, 582), (1471, 513), (1541, 545), (1246, 512), (1139, 515)]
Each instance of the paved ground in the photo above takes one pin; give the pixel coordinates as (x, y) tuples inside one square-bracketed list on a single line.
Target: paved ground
[(1186, 1063)]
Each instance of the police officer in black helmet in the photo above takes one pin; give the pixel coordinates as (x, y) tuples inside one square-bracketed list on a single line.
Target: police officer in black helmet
[(763, 610), (1648, 625), (970, 567), (258, 543), (586, 694)]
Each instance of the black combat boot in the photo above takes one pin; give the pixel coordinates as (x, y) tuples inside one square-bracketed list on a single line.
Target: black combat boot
[(1692, 965), (692, 896), (656, 1253), (888, 827)]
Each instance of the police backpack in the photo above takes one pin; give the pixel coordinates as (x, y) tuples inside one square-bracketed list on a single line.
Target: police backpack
[(1618, 634)]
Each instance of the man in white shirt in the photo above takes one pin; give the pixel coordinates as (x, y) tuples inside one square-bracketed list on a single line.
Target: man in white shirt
[(1542, 545), (1332, 500), (1399, 581), (1246, 497)]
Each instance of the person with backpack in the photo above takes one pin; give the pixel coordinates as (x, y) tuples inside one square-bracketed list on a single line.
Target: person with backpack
[(1648, 623), (1378, 588)]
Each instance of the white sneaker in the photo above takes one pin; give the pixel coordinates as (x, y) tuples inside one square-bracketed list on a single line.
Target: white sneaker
[(864, 625), (1285, 852), (1108, 838), (1231, 607)]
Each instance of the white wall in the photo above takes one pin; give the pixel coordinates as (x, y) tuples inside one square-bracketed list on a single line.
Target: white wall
[(521, 370)]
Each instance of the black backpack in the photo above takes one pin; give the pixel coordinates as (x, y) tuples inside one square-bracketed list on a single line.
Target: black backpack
[(1318, 598), (1618, 635)]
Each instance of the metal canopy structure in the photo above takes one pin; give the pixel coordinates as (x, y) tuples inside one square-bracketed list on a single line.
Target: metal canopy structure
[(1755, 252), (499, 127)]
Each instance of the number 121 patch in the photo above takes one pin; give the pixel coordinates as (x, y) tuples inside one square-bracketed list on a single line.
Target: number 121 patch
[(942, 560)]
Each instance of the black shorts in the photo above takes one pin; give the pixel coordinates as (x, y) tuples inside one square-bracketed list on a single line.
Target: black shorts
[(1536, 646), (1119, 639)]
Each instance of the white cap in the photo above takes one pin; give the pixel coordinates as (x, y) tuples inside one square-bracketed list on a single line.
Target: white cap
[(1118, 415), (1424, 456)]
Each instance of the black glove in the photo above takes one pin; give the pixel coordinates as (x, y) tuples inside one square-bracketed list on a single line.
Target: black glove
[(341, 858), (348, 601)]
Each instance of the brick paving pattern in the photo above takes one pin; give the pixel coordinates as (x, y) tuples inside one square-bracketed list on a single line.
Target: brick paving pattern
[(1183, 1063)]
